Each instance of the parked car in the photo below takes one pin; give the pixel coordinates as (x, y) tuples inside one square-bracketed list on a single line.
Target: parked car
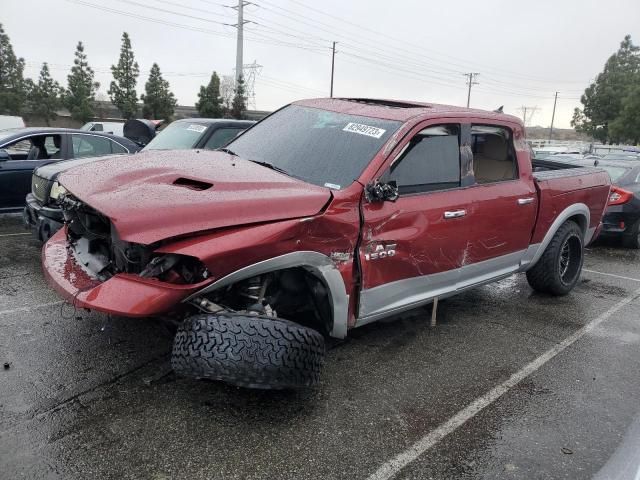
[(621, 156), (7, 122), (43, 215), (25, 149), (327, 215), (545, 152), (208, 133), (622, 216), (114, 128)]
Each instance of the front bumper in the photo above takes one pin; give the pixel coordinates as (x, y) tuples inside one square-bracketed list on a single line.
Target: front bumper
[(43, 221), (123, 294)]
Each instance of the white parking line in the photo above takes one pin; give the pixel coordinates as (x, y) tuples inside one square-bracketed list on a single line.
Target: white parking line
[(34, 307), (392, 467), (611, 275), (13, 234)]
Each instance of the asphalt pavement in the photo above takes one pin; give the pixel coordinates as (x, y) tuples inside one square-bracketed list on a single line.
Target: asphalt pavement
[(509, 384)]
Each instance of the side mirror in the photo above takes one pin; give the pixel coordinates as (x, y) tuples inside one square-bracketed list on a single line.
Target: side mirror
[(4, 155), (382, 192)]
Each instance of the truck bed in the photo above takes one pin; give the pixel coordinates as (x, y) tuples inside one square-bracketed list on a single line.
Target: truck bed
[(562, 184)]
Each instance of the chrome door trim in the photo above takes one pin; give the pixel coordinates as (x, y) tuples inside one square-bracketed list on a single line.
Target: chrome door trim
[(319, 264), (402, 295)]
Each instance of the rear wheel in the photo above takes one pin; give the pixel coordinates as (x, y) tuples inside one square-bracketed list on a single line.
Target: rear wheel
[(248, 351), (559, 268), (632, 240)]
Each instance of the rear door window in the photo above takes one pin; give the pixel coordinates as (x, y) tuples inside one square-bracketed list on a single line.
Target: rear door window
[(221, 137), (90, 146), (117, 148), (429, 162), (494, 158)]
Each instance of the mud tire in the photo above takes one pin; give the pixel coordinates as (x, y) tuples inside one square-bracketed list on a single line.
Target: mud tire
[(545, 276), (632, 239), (248, 351)]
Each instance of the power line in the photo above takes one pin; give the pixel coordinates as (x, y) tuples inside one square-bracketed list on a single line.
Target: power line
[(378, 34), (256, 39), (377, 59)]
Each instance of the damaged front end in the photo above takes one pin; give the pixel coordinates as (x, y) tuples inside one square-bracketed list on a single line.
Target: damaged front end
[(97, 248)]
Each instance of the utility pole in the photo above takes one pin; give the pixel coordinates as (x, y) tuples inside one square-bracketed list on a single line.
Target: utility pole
[(470, 82), (553, 115), (239, 36), (333, 62)]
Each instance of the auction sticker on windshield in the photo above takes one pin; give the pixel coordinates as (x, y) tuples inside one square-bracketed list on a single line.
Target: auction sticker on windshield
[(197, 128), (364, 130)]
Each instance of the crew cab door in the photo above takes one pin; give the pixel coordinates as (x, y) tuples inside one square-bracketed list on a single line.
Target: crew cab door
[(411, 250), (505, 201)]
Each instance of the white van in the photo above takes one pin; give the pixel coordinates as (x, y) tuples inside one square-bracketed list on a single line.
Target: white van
[(114, 128), (7, 122)]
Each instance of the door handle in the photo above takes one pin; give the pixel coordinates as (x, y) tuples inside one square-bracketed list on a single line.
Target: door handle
[(455, 214), (525, 201)]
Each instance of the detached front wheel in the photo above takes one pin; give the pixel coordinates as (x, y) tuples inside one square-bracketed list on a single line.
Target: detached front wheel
[(559, 268), (248, 351)]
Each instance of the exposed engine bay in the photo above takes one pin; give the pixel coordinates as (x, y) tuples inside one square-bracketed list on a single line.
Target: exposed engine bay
[(102, 254), (293, 293)]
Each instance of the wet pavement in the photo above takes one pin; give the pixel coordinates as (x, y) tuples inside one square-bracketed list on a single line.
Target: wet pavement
[(86, 395)]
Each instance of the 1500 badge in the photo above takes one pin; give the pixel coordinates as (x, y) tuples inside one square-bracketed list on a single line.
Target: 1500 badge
[(381, 251)]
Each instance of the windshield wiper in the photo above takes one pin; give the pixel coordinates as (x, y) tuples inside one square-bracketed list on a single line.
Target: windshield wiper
[(229, 151), (271, 166)]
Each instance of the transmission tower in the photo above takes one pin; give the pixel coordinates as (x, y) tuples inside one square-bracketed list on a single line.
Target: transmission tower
[(527, 114), (249, 72)]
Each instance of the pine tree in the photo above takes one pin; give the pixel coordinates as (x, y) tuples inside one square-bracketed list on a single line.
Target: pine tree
[(239, 104), (45, 96), (158, 101), (125, 77), (81, 88), (603, 99), (209, 104), (13, 88)]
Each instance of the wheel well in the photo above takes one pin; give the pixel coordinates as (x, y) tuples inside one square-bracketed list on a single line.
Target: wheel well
[(581, 220), (296, 294)]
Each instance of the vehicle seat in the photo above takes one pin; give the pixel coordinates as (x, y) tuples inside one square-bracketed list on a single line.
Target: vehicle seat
[(493, 162), (35, 153), (56, 142)]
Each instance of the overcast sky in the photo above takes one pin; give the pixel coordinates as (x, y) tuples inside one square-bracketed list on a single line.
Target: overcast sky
[(412, 49)]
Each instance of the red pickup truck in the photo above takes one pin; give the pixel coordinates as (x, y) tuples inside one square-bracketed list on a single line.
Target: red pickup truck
[(327, 215)]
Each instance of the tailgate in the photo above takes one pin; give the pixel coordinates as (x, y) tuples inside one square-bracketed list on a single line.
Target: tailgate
[(559, 189)]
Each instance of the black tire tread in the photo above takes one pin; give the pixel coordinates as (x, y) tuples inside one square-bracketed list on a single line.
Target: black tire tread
[(542, 277), (633, 239), (248, 351)]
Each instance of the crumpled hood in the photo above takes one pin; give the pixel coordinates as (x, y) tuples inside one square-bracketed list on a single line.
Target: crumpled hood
[(163, 194)]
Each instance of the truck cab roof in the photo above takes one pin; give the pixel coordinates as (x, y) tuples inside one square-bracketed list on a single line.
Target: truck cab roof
[(400, 110)]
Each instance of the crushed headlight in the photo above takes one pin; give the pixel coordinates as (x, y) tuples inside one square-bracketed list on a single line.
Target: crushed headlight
[(57, 191), (174, 268)]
